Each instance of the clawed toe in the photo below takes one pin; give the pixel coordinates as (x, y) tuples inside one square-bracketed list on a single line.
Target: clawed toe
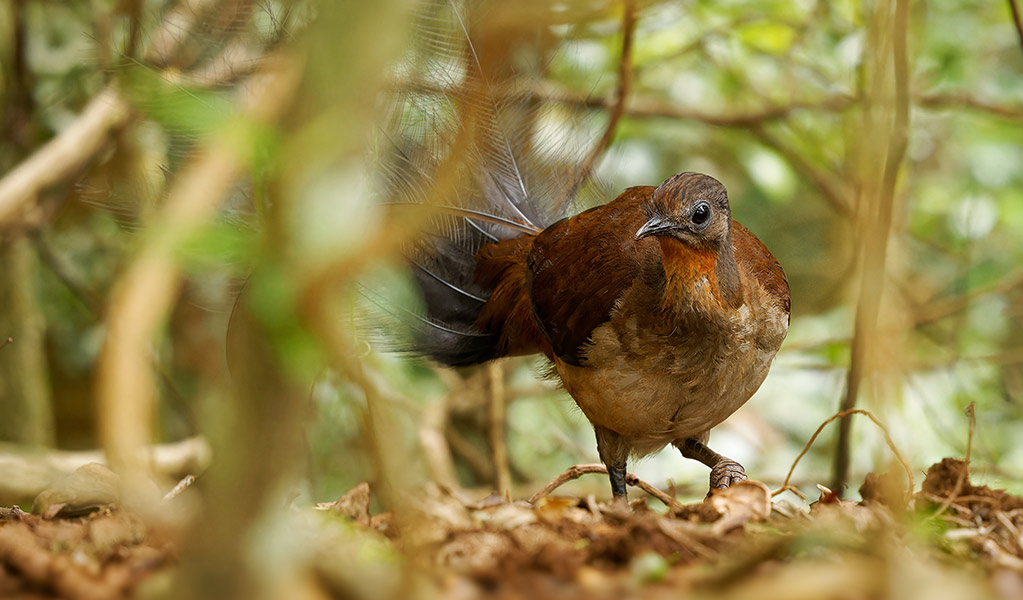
[(726, 473)]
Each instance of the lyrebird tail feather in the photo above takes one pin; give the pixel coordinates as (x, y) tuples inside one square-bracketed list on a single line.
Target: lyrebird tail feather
[(460, 142)]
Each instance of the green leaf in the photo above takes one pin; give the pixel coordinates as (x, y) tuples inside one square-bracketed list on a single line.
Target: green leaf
[(766, 36)]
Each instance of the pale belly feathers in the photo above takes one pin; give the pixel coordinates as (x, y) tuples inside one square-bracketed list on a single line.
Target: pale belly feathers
[(694, 381)]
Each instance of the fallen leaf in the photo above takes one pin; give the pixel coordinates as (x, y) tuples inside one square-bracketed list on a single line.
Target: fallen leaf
[(742, 502), (354, 504)]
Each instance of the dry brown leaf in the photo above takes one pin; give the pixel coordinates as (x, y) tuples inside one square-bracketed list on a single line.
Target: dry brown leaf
[(354, 504), (742, 502)]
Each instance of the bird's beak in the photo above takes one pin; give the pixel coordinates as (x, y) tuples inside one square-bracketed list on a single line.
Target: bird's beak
[(653, 227)]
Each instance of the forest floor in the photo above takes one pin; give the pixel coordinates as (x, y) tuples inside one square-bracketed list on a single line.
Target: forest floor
[(951, 540)]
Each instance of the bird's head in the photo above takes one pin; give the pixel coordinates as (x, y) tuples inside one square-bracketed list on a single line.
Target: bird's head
[(690, 207)]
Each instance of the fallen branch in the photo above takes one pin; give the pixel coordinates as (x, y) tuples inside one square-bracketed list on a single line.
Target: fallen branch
[(28, 472), (577, 471)]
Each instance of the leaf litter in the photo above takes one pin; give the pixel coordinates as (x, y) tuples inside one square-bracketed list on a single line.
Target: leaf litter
[(738, 543)]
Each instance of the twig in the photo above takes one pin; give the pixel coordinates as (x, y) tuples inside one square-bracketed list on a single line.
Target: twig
[(968, 498), (236, 62), (964, 100), (789, 488), (972, 413), (19, 59), (954, 505), (1011, 528), (624, 87), (67, 275), (834, 192), (940, 309), (673, 528), (101, 34), (577, 471), (167, 46), (725, 29), (1017, 20), (573, 472), (182, 485), (648, 107), (888, 439), (495, 387), (644, 107), (133, 10), (9, 340)]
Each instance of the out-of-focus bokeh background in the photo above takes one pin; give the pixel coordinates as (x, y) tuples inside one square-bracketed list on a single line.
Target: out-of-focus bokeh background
[(170, 167)]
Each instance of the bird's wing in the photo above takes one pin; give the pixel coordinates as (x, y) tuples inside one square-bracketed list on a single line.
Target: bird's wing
[(755, 259), (578, 268)]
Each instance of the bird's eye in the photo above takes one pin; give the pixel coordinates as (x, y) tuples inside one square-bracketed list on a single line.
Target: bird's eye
[(701, 215)]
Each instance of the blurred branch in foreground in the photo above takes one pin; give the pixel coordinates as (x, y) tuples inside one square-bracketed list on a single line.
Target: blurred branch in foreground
[(62, 157), (24, 378), (314, 240), (884, 142)]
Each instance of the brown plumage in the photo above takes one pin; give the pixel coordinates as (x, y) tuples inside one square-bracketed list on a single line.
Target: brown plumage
[(660, 314)]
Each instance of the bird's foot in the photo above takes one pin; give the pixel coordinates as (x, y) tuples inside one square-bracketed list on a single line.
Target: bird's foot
[(619, 504), (726, 473)]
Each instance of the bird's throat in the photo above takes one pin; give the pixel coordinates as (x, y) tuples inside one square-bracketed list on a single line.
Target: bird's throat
[(699, 275)]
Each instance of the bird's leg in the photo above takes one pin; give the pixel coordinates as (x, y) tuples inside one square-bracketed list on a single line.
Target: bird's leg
[(723, 471), (617, 475), (614, 452)]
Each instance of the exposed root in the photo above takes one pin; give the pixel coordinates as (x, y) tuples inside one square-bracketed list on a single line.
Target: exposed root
[(888, 438)]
